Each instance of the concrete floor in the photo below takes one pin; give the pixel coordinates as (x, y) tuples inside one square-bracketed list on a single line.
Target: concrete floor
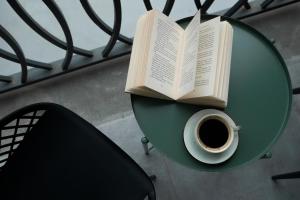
[(97, 94)]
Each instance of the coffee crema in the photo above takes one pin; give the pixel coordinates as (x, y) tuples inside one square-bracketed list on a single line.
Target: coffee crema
[(213, 133)]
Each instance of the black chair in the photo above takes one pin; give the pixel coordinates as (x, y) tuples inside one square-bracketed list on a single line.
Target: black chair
[(49, 152)]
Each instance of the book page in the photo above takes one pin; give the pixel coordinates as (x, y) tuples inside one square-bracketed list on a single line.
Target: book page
[(225, 84), (163, 53), (206, 58), (221, 60), (188, 61), (137, 56)]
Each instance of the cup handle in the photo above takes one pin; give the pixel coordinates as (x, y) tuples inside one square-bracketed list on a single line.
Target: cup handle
[(237, 128)]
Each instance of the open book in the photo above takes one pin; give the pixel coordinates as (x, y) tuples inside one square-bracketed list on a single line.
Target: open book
[(191, 65)]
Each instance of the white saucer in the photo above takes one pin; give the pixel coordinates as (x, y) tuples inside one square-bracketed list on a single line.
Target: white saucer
[(196, 151)]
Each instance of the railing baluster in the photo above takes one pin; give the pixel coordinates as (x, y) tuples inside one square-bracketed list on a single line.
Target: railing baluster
[(198, 4), (17, 49), (247, 5), (167, 8), (269, 8), (12, 57), (5, 78), (63, 23), (148, 5), (100, 23), (97, 55), (266, 3), (25, 16), (206, 6), (116, 30), (236, 7)]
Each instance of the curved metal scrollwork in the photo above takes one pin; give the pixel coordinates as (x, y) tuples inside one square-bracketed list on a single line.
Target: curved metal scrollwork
[(6, 79), (17, 49), (99, 54), (266, 3), (116, 30), (167, 8), (198, 4), (25, 16), (236, 7), (12, 57), (62, 22), (206, 5), (100, 23)]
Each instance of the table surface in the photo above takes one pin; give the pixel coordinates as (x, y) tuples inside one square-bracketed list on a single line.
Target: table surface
[(259, 101)]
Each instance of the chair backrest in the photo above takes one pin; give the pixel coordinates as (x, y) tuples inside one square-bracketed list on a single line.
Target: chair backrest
[(14, 127), (64, 157)]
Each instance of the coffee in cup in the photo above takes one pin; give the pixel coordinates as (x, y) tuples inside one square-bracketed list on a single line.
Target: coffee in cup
[(214, 134)]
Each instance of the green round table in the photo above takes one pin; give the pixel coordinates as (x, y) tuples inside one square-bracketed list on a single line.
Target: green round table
[(259, 101)]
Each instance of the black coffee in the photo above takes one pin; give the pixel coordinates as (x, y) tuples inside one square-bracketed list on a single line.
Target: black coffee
[(213, 133)]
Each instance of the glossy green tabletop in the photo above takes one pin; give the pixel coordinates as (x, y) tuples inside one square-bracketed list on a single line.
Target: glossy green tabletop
[(259, 101)]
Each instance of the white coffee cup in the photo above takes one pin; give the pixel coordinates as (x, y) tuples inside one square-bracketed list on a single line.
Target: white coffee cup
[(214, 133)]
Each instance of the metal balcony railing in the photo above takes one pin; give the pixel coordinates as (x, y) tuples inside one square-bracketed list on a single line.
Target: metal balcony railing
[(118, 44)]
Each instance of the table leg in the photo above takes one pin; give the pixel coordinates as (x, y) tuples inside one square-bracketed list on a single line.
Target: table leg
[(145, 143), (267, 156), (287, 176)]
